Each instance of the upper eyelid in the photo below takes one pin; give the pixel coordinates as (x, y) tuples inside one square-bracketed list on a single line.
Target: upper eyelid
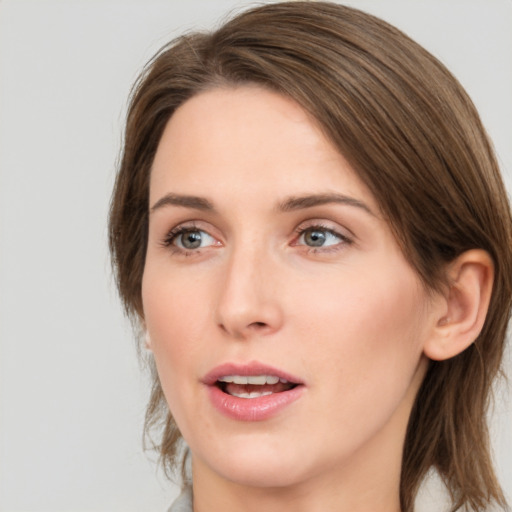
[(184, 227), (191, 225), (328, 225)]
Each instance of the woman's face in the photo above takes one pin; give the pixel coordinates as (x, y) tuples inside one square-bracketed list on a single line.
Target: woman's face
[(268, 262)]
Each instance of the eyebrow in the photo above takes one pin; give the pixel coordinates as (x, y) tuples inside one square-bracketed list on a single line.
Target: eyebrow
[(288, 205), (312, 200), (195, 202)]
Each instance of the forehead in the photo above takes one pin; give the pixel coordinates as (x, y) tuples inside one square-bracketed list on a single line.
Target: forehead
[(248, 141)]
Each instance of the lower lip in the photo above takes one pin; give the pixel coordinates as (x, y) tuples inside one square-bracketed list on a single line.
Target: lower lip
[(253, 409)]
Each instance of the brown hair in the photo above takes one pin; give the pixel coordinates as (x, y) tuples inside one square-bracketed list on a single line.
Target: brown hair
[(414, 137)]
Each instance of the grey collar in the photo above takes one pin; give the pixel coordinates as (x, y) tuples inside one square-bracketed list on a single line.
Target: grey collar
[(183, 503)]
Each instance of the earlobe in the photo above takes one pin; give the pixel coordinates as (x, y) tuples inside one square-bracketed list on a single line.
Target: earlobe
[(147, 341), (464, 305)]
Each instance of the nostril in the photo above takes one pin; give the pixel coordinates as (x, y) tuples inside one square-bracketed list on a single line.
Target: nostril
[(259, 324)]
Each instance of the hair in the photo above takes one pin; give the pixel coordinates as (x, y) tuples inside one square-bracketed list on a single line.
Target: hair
[(413, 136)]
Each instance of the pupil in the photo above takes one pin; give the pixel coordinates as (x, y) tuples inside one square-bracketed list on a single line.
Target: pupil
[(315, 238), (191, 239)]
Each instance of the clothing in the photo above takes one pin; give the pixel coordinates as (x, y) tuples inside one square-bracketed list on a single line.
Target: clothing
[(183, 503)]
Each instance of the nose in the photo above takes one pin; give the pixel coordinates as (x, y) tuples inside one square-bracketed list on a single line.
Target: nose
[(249, 301)]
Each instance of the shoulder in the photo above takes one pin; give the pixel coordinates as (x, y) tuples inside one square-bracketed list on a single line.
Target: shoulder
[(183, 503)]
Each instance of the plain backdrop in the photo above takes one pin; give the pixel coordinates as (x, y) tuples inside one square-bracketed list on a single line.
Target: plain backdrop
[(72, 396)]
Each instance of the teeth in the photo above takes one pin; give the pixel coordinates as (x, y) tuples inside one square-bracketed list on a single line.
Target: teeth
[(258, 380), (254, 394)]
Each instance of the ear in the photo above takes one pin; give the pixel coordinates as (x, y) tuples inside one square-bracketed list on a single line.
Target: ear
[(144, 333), (463, 306), (147, 341)]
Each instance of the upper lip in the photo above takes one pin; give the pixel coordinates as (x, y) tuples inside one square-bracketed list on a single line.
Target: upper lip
[(253, 368)]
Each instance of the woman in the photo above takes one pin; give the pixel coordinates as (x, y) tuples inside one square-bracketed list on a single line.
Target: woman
[(310, 228)]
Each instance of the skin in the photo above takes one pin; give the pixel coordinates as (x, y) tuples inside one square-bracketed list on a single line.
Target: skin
[(350, 318)]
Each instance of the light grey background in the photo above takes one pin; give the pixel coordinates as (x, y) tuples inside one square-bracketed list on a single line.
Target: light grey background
[(71, 393)]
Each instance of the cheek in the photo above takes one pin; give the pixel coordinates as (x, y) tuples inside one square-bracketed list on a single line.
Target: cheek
[(172, 309), (174, 312), (174, 303), (366, 331), (364, 356)]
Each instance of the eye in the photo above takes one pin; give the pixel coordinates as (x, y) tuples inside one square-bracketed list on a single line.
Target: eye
[(319, 236), (190, 239)]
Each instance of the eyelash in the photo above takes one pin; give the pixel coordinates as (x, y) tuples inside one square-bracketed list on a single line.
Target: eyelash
[(344, 240), (173, 234)]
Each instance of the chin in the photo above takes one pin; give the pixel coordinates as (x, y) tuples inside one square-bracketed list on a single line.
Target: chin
[(265, 476), (259, 466)]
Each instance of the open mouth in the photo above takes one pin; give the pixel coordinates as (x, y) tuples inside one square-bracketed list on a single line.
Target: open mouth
[(253, 386), (252, 391)]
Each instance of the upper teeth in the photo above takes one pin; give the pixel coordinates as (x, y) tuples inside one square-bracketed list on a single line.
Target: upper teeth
[(252, 379)]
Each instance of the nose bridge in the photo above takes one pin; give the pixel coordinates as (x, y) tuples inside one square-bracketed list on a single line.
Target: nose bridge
[(248, 299)]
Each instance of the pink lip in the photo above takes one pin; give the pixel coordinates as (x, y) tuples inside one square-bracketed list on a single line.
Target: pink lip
[(251, 409), (252, 368)]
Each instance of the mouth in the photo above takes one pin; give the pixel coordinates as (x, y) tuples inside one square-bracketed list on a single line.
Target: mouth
[(253, 386), (253, 391)]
